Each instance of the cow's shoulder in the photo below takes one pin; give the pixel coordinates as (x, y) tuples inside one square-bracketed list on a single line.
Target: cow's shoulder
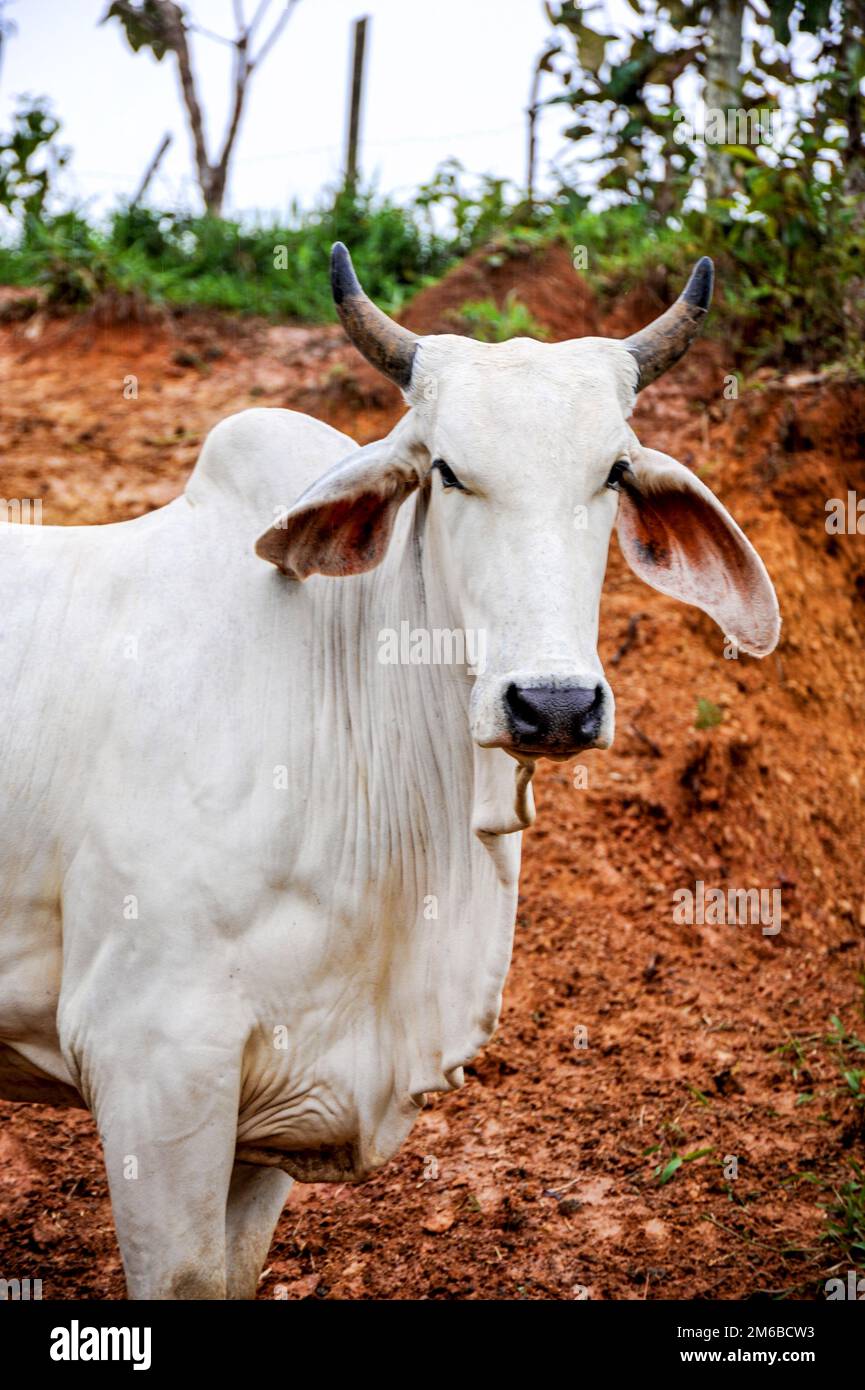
[(262, 459)]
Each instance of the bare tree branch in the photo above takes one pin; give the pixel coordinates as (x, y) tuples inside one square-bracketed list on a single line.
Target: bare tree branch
[(290, 7), (242, 71), (151, 169), (163, 26), (175, 26), (263, 7), (209, 34)]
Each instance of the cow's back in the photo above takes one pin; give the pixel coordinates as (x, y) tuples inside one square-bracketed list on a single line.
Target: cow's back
[(79, 605)]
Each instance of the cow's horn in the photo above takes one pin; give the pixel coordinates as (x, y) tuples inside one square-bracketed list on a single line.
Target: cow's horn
[(663, 342), (385, 344)]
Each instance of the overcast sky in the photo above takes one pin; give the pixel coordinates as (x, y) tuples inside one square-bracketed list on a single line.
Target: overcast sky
[(445, 77)]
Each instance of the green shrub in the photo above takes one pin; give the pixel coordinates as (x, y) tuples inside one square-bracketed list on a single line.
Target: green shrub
[(491, 324), (279, 271)]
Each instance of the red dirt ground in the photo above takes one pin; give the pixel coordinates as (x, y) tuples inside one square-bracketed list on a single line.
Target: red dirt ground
[(544, 1185)]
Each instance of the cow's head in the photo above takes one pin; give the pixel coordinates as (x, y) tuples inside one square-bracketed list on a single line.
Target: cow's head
[(529, 461)]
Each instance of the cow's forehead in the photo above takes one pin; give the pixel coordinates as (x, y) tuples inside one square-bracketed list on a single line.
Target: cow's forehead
[(576, 394), (522, 373)]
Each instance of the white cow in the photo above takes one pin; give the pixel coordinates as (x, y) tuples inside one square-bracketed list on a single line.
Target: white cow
[(259, 885)]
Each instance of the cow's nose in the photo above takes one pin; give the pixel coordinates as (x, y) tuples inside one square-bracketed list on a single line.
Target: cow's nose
[(554, 719)]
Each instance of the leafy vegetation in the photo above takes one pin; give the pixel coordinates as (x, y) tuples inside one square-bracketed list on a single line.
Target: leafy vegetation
[(845, 1050), (846, 1218), (30, 159), (773, 192), (279, 271), (490, 324)]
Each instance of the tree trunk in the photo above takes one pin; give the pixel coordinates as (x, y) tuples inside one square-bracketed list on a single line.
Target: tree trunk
[(213, 189), (151, 169), (722, 92)]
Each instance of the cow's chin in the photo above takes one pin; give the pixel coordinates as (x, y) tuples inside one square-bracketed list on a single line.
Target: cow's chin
[(528, 756)]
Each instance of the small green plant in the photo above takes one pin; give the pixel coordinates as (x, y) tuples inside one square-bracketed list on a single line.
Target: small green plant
[(699, 1096), (795, 1049), (665, 1171), (849, 1054), (491, 324), (708, 715), (846, 1217)]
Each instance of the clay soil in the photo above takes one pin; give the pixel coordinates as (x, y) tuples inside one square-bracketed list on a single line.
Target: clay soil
[(539, 1179)]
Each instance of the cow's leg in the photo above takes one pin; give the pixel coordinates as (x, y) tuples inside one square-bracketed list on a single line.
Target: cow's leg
[(165, 1100), (169, 1174), (255, 1199)]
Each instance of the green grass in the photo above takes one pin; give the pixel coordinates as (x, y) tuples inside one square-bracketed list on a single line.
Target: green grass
[(846, 1218), (277, 271), (845, 1213)]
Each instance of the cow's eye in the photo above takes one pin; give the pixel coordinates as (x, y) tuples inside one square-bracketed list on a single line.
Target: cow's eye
[(617, 473), (448, 477)]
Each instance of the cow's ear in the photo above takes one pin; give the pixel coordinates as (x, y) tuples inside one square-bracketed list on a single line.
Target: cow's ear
[(342, 524), (675, 535)]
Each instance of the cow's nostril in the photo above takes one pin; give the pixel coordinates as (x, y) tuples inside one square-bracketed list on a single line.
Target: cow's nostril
[(579, 701), (554, 717), (524, 719)]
